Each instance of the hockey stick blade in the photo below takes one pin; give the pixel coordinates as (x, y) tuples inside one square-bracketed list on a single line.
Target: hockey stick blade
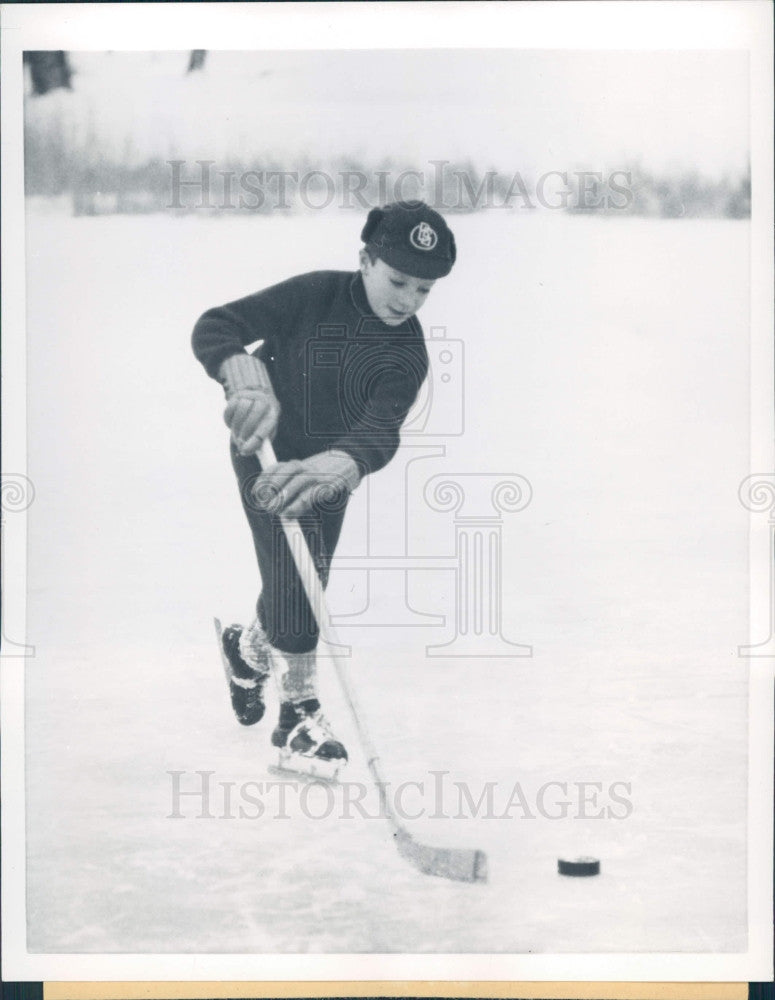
[(457, 863)]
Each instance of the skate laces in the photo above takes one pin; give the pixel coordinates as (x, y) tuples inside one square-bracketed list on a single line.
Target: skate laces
[(314, 725)]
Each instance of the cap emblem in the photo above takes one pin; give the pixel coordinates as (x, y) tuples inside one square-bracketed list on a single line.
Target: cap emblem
[(423, 237)]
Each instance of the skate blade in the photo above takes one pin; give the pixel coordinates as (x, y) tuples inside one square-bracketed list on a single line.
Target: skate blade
[(219, 639), (308, 768)]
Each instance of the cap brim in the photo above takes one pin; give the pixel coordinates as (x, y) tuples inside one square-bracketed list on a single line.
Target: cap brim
[(417, 265)]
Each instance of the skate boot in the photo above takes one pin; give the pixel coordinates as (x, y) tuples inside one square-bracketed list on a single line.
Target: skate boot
[(306, 743), (245, 675)]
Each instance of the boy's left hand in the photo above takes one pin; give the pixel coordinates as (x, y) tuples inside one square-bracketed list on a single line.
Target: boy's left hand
[(295, 488)]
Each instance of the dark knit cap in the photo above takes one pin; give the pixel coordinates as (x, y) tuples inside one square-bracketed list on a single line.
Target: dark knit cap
[(412, 237)]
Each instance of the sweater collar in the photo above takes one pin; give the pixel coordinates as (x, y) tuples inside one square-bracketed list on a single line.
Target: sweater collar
[(358, 295)]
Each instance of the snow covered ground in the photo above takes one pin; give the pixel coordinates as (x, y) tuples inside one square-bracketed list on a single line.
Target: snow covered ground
[(606, 361)]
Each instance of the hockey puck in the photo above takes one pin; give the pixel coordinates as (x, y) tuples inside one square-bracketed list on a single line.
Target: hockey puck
[(578, 866)]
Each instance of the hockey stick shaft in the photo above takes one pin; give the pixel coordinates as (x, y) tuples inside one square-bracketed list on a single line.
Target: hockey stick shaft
[(466, 865)]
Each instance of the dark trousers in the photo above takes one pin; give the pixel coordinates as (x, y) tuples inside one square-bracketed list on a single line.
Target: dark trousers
[(282, 607)]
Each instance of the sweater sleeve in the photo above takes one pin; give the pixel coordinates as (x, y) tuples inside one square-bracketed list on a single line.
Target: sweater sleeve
[(374, 436), (227, 330)]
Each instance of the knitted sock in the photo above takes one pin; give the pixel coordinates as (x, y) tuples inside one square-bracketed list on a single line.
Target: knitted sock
[(295, 675), (254, 649)]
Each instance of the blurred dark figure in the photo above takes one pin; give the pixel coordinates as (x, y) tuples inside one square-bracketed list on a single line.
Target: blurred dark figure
[(197, 59), (48, 71)]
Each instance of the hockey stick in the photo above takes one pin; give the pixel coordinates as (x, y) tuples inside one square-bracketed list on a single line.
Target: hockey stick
[(463, 864)]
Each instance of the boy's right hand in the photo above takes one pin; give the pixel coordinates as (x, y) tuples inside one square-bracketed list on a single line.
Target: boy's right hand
[(252, 410)]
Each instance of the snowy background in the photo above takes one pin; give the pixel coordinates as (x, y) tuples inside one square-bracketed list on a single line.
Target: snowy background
[(673, 120), (606, 361)]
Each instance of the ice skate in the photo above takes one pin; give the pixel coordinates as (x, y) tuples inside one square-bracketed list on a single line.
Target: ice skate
[(246, 679), (306, 743)]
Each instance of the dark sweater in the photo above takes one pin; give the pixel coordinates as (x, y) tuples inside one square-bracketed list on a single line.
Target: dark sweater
[(343, 378)]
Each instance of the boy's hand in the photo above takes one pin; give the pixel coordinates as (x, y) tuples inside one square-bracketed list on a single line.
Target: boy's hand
[(252, 410), (295, 488)]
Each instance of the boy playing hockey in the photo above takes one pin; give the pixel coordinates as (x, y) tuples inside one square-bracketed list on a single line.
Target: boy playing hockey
[(340, 364)]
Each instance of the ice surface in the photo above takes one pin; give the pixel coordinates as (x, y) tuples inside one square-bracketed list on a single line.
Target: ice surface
[(607, 362)]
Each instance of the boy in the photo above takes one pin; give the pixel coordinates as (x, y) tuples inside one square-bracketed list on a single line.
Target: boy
[(341, 362)]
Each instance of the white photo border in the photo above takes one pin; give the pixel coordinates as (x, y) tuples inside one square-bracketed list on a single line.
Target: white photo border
[(622, 24)]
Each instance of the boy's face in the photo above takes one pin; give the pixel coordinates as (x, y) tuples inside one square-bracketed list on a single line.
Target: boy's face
[(393, 295)]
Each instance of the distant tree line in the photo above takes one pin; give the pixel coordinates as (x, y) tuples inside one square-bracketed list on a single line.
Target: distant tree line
[(672, 195)]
